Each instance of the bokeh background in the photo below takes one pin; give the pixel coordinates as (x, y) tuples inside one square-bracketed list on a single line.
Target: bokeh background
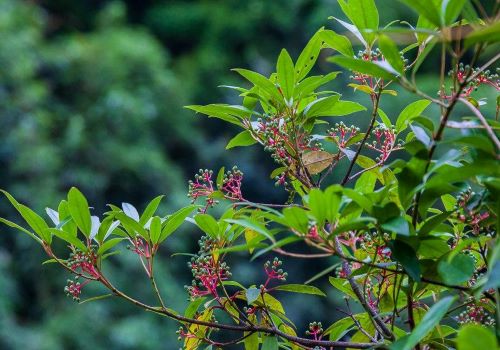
[(92, 95)]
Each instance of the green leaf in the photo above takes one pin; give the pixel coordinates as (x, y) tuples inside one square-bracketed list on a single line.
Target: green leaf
[(36, 223), (269, 342), (252, 294), (79, 210), (430, 320), (346, 107), (340, 328), (489, 34), (391, 53), (425, 8), (174, 221), (150, 210), (343, 285), (300, 288), (364, 15), (230, 114), (243, 139), (132, 226), (474, 337), (68, 238), (297, 219), (407, 257), (321, 107), (398, 225), (337, 42), (385, 118), (308, 57), (410, 112), (252, 224), (309, 84), (207, 224), (110, 243), (456, 270), (353, 224), (451, 10), (193, 307), (261, 82), (22, 229), (364, 67), (155, 229), (286, 74)]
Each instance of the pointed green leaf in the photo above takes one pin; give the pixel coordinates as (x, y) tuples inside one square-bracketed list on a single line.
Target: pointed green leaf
[(286, 74), (79, 210), (243, 139), (150, 210)]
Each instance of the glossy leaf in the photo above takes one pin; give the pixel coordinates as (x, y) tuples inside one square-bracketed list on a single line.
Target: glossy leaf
[(286, 74), (79, 209), (243, 139)]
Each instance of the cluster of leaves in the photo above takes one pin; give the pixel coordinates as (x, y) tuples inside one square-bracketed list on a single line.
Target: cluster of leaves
[(416, 233)]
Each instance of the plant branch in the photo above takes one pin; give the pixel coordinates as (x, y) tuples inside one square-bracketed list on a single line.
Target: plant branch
[(376, 101)]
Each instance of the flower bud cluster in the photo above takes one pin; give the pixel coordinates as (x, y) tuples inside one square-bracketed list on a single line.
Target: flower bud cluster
[(372, 56), (342, 134), (315, 330), (476, 79), (231, 184), (73, 288), (274, 271), (208, 271), (384, 142), (84, 264), (468, 210), (202, 187), (140, 247), (476, 314)]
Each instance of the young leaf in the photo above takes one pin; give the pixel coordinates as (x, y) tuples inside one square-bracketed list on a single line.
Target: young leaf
[(243, 139), (79, 210), (286, 74)]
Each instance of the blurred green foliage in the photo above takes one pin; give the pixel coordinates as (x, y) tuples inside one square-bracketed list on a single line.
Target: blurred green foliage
[(91, 95)]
